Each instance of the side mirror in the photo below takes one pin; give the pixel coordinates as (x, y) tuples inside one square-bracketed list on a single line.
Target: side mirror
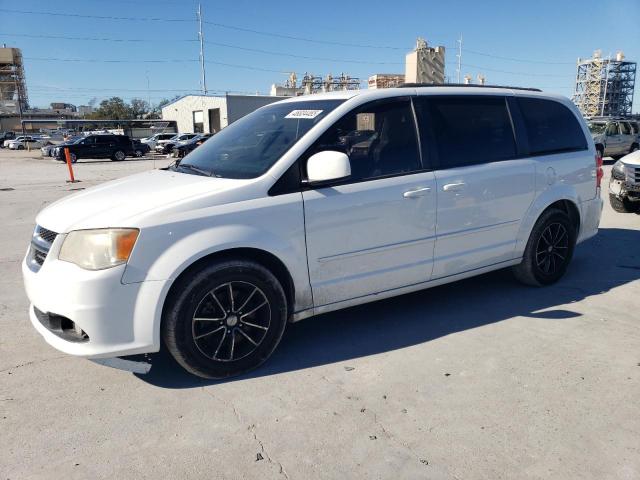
[(328, 166)]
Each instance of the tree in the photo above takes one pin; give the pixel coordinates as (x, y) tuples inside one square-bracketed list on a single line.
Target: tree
[(113, 108), (139, 108)]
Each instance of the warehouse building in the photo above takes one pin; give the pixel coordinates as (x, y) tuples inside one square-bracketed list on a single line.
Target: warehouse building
[(211, 113)]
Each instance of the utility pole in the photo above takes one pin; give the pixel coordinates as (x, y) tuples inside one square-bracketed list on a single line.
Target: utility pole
[(201, 37), (148, 91), (459, 55)]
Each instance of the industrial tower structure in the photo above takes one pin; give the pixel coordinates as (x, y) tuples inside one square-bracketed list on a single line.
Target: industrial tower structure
[(13, 85), (604, 86)]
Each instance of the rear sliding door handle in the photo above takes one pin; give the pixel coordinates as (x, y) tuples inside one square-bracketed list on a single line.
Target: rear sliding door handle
[(453, 187), (418, 192)]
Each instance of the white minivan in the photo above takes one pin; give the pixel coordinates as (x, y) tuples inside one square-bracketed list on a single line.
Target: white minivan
[(309, 205)]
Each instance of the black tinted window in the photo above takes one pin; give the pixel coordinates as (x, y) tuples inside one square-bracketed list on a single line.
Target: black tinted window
[(634, 127), (469, 130), (379, 138), (551, 127), (625, 128)]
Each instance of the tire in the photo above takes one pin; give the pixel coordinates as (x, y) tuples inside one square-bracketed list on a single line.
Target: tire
[(224, 350), (118, 156), (553, 237), (138, 153), (633, 148), (74, 158), (600, 150), (20, 147), (622, 205)]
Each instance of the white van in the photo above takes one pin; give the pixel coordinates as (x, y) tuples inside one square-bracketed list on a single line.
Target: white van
[(310, 205)]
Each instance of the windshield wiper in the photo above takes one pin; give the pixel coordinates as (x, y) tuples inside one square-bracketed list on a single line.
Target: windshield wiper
[(199, 171)]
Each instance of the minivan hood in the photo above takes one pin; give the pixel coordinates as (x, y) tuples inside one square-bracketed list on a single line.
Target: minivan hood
[(118, 202)]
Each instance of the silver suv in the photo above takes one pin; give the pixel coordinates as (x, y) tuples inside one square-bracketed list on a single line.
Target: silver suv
[(614, 138), (624, 186)]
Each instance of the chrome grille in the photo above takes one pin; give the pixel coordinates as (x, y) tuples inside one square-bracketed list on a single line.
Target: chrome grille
[(633, 174), (41, 242)]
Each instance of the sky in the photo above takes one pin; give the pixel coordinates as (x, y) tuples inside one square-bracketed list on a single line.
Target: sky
[(149, 49)]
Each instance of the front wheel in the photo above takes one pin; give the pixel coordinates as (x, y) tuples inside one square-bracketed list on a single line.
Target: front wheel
[(225, 319), (118, 155), (138, 153), (548, 251)]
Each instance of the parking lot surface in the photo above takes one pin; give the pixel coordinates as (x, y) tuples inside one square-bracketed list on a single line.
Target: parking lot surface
[(484, 378)]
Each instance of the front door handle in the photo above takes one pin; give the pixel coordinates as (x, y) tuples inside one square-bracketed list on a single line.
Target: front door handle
[(418, 192), (453, 187)]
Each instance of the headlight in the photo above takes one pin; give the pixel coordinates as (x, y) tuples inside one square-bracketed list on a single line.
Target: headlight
[(617, 172), (99, 249)]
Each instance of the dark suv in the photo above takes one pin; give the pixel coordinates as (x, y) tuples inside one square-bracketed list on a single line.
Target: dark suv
[(115, 147)]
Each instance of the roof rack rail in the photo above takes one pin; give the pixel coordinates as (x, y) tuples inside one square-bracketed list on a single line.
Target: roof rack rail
[(415, 85)]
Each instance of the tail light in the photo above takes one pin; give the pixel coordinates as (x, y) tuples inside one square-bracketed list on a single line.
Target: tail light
[(599, 171)]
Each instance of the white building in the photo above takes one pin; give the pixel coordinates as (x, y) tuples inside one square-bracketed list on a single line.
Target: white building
[(211, 113), (425, 64)]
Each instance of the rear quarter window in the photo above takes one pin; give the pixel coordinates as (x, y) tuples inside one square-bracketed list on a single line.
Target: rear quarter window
[(550, 126)]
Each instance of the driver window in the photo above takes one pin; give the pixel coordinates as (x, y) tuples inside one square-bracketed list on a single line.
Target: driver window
[(612, 129), (379, 138)]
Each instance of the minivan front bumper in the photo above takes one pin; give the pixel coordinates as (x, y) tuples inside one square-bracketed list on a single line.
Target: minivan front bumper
[(92, 314)]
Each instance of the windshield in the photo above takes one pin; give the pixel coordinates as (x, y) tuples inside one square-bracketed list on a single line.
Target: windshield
[(250, 146), (597, 127)]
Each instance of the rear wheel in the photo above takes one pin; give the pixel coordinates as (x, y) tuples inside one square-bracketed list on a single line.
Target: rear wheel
[(548, 251), (118, 155), (622, 205), (225, 319)]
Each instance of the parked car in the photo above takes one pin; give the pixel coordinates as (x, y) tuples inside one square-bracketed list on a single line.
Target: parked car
[(152, 140), (165, 146), (115, 147), (26, 143), (274, 220), (140, 149), (614, 137), (6, 136), (624, 185), (183, 148), (57, 151), (18, 139), (50, 150)]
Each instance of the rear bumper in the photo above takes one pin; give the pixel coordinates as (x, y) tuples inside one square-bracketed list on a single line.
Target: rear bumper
[(591, 211)]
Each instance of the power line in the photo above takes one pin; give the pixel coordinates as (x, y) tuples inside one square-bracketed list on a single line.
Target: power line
[(219, 44), (512, 59), (96, 39), (98, 17), (302, 39), (250, 30), (176, 60), (305, 57)]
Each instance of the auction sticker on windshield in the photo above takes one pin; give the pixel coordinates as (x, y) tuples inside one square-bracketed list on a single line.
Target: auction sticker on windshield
[(303, 114)]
